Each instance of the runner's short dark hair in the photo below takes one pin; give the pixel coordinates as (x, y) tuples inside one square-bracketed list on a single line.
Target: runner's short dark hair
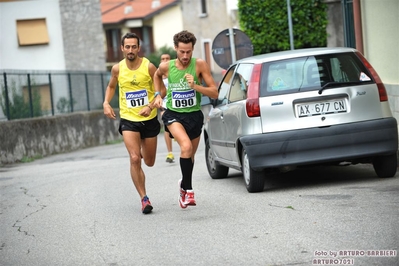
[(130, 35), (184, 37)]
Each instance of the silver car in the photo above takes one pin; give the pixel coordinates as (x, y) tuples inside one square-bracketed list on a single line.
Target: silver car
[(280, 111)]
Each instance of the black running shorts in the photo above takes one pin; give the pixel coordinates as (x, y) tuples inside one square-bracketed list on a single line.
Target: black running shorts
[(147, 129), (192, 122)]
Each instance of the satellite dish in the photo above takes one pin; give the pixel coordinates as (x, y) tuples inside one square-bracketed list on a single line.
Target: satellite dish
[(231, 45)]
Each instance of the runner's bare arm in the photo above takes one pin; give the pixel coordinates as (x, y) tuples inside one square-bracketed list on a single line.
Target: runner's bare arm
[(110, 92), (159, 85), (203, 72), (151, 70), (146, 110)]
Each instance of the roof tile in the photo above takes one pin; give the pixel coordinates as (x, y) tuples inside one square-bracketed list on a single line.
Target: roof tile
[(118, 11)]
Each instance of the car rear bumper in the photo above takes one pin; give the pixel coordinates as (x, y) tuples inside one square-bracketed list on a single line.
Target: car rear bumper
[(321, 145)]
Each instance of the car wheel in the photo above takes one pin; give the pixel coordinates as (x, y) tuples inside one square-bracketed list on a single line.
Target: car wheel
[(215, 170), (254, 180), (385, 166)]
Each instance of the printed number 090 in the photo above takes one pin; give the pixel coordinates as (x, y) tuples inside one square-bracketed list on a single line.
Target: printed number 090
[(185, 103)]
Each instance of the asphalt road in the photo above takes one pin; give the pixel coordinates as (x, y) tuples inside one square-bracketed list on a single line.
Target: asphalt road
[(81, 208)]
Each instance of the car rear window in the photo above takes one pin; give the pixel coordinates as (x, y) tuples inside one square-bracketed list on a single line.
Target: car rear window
[(312, 72)]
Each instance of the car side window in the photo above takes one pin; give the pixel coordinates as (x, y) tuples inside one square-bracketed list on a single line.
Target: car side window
[(225, 86), (239, 85), (236, 91)]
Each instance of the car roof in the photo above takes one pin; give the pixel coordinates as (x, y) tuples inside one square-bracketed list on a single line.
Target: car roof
[(295, 53)]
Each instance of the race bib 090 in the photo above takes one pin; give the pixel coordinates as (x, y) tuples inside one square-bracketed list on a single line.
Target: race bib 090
[(183, 99)]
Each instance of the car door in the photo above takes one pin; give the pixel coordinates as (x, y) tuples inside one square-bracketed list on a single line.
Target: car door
[(216, 126), (234, 113)]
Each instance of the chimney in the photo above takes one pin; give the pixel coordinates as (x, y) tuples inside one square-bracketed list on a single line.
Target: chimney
[(128, 9), (155, 4)]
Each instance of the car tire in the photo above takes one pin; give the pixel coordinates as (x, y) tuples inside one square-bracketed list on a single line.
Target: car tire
[(254, 180), (385, 166), (215, 170)]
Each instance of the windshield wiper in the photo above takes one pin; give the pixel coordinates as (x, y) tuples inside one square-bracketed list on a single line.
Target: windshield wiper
[(337, 84)]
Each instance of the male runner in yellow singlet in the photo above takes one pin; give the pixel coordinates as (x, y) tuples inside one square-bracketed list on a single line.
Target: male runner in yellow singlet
[(139, 124)]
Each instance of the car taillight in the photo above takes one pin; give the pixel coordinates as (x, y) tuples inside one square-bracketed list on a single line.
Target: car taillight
[(252, 104), (381, 88)]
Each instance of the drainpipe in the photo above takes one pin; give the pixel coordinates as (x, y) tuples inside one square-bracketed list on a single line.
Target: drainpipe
[(357, 19)]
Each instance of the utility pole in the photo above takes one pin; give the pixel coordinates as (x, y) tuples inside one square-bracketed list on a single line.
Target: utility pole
[(290, 24)]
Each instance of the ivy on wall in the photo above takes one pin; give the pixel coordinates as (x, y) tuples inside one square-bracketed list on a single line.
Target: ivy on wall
[(266, 24)]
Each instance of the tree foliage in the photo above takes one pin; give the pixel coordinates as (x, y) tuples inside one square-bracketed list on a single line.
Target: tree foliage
[(155, 57), (266, 24)]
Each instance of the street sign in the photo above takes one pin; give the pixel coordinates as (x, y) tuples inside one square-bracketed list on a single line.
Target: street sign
[(231, 45)]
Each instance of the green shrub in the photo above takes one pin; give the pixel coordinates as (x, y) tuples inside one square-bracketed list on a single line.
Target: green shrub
[(266, 24), (18, 107), (64, 105), (155, 58)]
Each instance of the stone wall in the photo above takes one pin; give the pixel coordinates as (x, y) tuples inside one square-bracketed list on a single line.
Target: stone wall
[(335, 26), (83, 35), (40, 137)]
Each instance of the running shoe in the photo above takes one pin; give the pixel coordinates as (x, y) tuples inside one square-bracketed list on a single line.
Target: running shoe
[(189, 199), (182, 196), (146, 205), (170, 158)]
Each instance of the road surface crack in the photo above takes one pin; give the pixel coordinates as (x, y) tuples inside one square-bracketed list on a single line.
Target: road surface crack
[(18, 224)]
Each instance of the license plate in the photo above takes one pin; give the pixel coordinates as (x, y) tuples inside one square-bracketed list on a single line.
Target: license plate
[(321, 108)]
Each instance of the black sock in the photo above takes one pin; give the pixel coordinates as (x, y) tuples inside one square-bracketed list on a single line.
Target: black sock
[(186, 166)]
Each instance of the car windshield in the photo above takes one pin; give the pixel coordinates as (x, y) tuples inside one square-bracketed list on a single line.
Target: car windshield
[(312, 73)]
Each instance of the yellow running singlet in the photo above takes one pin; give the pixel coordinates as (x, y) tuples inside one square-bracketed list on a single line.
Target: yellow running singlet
[(136, 91)]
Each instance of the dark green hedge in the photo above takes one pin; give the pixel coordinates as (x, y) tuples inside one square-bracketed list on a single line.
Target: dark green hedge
[(266, 24)]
